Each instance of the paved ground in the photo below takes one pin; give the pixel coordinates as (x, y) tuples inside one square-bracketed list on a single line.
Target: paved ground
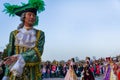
[(97, 78)]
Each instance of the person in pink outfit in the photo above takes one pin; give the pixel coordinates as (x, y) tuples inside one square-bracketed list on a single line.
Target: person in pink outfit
[(70, 75)]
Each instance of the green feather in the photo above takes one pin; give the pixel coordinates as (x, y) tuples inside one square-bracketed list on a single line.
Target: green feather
[(10, 9), (38, 4), (37, 20)]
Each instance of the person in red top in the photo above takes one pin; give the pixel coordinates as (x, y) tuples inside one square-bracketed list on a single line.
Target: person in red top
[(92, 69), (118, 72), (118, 75), (54, 68), (97, 69)]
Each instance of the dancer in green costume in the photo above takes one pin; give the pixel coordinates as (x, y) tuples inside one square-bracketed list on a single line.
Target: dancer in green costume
[(26, 44)]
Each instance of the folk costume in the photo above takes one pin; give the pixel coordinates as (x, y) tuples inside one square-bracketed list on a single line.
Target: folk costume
[(109, 71), (71, 75), (87, 73), (28, 45)]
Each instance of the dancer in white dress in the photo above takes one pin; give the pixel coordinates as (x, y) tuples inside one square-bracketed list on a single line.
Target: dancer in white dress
[(70, 75)]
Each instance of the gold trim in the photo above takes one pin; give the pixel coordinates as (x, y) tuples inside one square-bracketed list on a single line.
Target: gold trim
[(35, 48), (38, 36), (17, 49), (24, 49), (37, 52), (38, 74), (32, 64), (15, 32)]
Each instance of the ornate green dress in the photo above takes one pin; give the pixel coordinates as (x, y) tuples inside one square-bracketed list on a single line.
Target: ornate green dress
[(31, 54)]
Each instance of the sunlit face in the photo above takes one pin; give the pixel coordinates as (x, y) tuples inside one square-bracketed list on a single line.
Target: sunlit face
[(29, 18)]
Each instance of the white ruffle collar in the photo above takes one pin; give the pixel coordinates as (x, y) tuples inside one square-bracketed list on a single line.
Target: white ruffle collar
[(26, 38)]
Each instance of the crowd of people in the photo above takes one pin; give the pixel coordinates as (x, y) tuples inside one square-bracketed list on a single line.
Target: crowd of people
[(22, 60), (87, 70)]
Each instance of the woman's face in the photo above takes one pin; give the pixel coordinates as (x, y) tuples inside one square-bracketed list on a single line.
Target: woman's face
[(30, 18)]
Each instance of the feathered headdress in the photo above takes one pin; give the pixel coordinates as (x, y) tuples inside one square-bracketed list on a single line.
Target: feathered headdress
[(32, 6)]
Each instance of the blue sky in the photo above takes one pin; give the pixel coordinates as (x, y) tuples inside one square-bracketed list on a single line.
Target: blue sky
[(72, 28)]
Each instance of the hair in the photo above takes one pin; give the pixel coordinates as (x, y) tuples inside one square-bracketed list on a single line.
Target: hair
[(21, 19), (88, 58), (73, 59)]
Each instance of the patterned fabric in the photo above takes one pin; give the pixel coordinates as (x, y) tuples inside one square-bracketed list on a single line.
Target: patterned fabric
[(112, 75), (87, 74), (109, 74), (70, 74), (31, 56)]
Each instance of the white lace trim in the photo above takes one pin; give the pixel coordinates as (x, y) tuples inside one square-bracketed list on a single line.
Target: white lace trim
[(26, 38), (17, 68)]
